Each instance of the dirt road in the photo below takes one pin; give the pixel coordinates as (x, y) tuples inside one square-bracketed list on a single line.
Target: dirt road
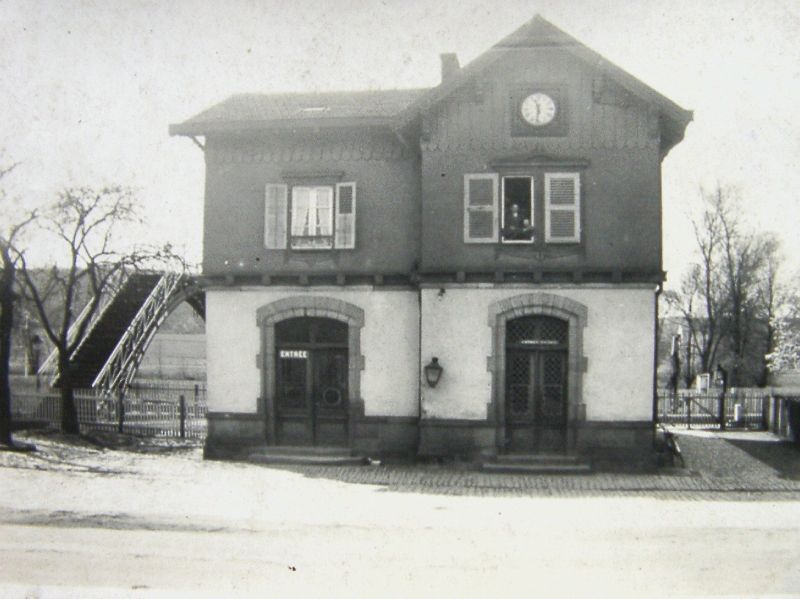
[(105, 524)]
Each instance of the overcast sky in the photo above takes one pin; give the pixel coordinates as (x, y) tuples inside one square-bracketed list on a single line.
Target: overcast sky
[(89, 88)]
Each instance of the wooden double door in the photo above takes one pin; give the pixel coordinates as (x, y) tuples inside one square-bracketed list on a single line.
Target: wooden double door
[(536, 386), (312, 406)]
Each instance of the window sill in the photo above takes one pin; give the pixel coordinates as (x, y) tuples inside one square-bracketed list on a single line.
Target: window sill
[(311, 244), (537, 243), (517, 241)]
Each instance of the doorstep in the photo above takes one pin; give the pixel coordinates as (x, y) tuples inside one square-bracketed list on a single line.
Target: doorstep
[(294, 455), (536, 463)]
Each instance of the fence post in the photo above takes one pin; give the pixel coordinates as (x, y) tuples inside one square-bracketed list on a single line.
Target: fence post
[(196, 392), (120, 410), (765, 408), (182, 408), (774, 422), (688, 412), (722, 375)]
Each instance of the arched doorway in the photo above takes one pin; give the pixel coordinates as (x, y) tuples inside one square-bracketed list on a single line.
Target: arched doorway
[(536, 393), (311, 382)]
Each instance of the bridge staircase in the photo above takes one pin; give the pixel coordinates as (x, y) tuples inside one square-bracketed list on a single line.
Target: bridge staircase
[(116, 341)]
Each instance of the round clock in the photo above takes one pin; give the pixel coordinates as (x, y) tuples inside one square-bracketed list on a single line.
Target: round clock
[(538, 109)]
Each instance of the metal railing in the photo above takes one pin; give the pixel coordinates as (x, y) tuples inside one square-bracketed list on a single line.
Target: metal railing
[(129, 351), (172, 411), (48, 371), (744, 408), (49, 368)]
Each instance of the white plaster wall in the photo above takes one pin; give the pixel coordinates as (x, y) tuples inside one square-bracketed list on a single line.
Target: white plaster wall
[(389, 343), (455, 329), (618, 384), (618, 343)]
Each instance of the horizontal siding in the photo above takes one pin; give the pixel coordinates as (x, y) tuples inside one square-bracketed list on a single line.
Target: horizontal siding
[(620, 217), (387, 217), (305, 149), (613, 132), (477, 117), (470, 131)]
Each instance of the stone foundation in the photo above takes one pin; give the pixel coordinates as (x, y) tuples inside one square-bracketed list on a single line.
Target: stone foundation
[(456, 438), (381, 437), (232, 435), (627, 446), (617, 445)]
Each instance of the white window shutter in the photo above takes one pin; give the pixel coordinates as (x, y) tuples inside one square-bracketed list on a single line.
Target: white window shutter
[(275, 212), (562, 202), (480, 208), (345, 216)]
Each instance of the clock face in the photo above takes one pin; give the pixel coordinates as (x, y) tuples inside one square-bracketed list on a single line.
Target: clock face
[(538, 109)]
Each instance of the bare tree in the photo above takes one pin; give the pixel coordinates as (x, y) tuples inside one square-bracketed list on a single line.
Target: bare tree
[(702, 299), (745, 255), (14, 226), (729, 296), (87, 223)]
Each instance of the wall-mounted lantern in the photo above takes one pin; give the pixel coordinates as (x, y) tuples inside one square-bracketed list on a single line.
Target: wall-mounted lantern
[(433, 372)]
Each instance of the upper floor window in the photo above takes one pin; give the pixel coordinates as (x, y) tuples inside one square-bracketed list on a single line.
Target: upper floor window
[(507, 209), (312, 217), (517, 210)]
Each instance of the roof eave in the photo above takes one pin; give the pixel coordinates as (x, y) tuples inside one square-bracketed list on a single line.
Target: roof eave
[(190, 128), (673, 131)]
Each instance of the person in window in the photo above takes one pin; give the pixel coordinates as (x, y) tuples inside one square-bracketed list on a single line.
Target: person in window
[(517, 227)]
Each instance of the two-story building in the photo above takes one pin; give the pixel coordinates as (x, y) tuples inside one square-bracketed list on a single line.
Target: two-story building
[(472, 268)]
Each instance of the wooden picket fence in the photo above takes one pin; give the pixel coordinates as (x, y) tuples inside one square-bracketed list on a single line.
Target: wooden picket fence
[(165, 410)]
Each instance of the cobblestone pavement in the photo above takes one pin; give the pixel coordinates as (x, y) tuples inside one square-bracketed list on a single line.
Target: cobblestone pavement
[(737, 466), (719, 466)]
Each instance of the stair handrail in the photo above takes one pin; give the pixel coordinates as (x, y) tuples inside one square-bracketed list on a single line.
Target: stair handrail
[(128, 370), (105, 305), (49, 368), (127, 373), (118, 355), (127, 341), (140, 331)]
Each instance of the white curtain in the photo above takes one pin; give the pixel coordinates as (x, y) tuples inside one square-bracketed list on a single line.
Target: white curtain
[(312, 212), (324, 211), (301, 211)]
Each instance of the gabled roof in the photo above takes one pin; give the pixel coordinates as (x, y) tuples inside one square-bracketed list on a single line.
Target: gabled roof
[(259, 111), (398, 108), (540, 33)]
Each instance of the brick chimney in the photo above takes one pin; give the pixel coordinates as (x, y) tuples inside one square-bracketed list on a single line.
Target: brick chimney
[(450, 66)]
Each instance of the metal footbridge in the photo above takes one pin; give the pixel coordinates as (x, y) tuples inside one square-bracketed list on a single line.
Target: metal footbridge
[(116, 341)]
